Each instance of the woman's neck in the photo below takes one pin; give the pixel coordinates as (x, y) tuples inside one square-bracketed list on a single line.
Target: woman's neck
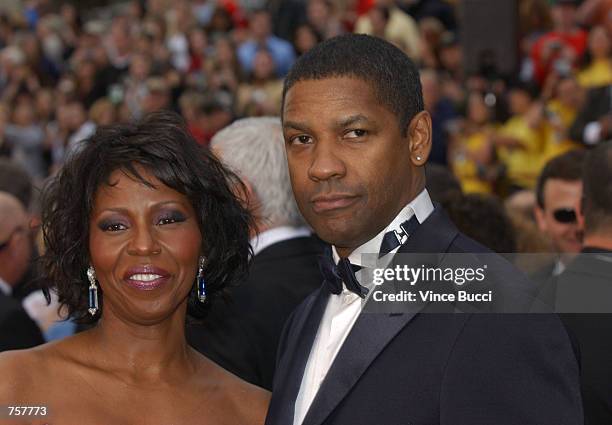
[(143, 353)]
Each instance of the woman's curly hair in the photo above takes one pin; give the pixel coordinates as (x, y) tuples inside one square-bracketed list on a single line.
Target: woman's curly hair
[(161, 144)]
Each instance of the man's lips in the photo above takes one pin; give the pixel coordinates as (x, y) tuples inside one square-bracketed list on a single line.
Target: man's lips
[(330, 202), (146, 277)]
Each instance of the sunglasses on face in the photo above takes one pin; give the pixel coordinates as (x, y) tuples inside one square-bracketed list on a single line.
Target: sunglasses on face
[(565, 215)]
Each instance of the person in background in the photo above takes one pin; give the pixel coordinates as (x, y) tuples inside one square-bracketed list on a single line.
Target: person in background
[(522, 140), (17, 330), (471, 154), (442, 114), (583, 293), (558, 191), (401, 28), (25, 138), (482, 218), (593, 124), (242, 332), (598, 71), (282, 52), (561, 48), (262, 94)]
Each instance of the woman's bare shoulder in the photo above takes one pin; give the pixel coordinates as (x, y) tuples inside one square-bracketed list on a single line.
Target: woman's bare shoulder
[(21, 370), (249, 402), (17, 368)]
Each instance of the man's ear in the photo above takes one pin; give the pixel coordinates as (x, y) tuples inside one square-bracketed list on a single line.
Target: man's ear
[(419, 133), (540, 218)]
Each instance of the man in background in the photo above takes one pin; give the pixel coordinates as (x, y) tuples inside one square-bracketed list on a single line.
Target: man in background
[(585, 288), (241, 333), (558, 192), (17, 330)]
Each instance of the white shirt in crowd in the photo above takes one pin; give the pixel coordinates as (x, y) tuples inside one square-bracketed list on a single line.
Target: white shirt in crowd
[(277, 234), (343, 309)]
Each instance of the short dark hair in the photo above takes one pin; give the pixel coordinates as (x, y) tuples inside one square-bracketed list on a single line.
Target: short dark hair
[(484, 219), (393, 76), (160, 144), (567, 167), (597, 189)]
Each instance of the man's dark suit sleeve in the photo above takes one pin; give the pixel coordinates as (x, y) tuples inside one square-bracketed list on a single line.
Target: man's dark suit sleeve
[(527, 378), (18, 331)]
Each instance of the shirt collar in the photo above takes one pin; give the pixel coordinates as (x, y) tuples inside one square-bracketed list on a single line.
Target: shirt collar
[(421, 206), (275, 235), (5, 288)]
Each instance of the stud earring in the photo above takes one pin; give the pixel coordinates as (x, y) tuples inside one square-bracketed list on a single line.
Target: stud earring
[(418, 158), (201, 283), (93, 291)]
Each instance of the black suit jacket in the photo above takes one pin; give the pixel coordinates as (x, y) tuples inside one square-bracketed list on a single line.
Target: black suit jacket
[(588, 281), (596, 106), (241, 333), (424, 369), (17, 330)]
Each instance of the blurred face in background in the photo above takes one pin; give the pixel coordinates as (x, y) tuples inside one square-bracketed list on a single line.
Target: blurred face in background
[(599, 43), (519, 101), (555, 218), (564, 16), (263, 66), (261, 26), (478, 112), (16, 250)]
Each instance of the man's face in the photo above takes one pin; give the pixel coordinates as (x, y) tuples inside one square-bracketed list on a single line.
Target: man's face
[(561, 196), (350, 165)]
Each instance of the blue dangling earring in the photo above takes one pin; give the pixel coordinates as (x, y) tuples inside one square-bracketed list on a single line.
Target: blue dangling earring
[(93, 291), (201, 283)]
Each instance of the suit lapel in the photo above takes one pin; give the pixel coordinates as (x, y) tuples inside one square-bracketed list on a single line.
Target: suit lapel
[(372, 332), (294, 359)]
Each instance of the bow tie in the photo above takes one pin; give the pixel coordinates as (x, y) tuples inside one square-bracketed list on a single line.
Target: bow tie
[(336, 274), (395, 238)]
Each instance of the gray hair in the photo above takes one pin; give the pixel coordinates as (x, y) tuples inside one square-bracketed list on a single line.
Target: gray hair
[(254, 149)]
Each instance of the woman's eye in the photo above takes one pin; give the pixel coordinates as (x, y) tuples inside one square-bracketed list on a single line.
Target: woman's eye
[(169, 219), (112, 226), (353, 134)]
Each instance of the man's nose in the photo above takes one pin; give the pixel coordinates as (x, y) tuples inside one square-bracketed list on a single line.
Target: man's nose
[(326, 161)]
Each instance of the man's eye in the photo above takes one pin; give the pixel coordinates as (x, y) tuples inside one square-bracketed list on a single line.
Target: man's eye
[(353, 134), (301, 140)]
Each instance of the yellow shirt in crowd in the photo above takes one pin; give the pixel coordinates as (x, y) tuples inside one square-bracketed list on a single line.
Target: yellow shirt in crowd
[(599, 73)]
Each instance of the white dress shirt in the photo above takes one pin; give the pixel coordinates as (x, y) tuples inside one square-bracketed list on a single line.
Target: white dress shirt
[(5, 288), (277, 234), (343, 309)]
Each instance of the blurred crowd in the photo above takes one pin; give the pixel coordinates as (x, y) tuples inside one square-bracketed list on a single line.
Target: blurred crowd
[(66, 69)]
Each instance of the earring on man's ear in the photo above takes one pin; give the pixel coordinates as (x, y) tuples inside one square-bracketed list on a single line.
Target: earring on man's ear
[(93, 291), (418, 158), (200, 282)]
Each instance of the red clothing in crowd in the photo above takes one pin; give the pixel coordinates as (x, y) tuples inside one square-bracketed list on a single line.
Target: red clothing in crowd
[(576, 41)]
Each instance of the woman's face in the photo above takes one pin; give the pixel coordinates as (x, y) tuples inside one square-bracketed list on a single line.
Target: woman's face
[(144, 244)]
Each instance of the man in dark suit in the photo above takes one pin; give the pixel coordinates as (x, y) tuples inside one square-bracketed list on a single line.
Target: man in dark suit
[(584, 289), (357, 140), (241, 333), (593, 124), (17, 330)]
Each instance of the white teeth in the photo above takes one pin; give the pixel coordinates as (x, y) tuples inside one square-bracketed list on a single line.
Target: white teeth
[(144, 277)]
